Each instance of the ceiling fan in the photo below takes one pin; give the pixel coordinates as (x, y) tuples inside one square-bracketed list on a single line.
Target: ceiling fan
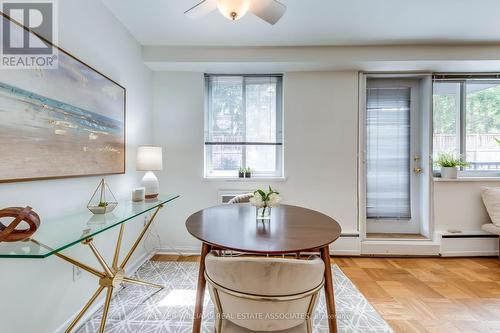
[(268, 10)]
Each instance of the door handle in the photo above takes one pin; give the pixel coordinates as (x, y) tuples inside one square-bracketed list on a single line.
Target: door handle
[(417, 170)]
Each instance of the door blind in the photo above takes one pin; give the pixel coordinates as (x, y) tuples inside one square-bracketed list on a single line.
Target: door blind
[(388, 153)]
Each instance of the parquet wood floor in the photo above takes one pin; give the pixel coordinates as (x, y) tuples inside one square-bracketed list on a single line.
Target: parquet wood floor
[(438, 295)]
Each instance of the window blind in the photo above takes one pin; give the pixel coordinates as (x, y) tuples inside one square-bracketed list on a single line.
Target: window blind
[(243, 110), (388, 153), (465, 76), (243, 124)]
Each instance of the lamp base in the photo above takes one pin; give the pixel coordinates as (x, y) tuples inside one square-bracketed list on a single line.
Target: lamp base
[(151, 185)]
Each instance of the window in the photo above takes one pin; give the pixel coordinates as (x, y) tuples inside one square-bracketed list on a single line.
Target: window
[(243, 125), (467, 121)]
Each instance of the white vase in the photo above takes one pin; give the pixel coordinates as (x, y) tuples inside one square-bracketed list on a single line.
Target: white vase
[(449, 172)]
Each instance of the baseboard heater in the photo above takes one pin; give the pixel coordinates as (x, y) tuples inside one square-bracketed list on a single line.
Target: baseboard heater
[(465, 245), (469, 236), (349, 235)]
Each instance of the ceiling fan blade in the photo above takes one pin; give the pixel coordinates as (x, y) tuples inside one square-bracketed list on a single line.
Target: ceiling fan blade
[(268, 10), (201, 9)]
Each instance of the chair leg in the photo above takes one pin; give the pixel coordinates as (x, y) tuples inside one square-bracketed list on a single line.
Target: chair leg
[(498, 246), (309, 325), (218, 311), (218, 325)]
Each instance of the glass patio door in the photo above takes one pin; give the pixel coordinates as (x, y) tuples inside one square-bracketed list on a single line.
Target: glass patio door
[(392, 156)]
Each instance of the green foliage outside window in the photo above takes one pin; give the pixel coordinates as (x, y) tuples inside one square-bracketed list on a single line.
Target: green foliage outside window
[(483, 111), (482, 115), (444, 114)]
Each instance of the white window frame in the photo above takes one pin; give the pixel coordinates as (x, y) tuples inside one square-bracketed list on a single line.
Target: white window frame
[(461, 121), (230, 174)]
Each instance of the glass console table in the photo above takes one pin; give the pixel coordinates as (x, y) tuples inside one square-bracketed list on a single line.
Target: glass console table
[(55, 235)]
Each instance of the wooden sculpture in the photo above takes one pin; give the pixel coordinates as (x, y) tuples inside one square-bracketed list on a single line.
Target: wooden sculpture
[(10, 232)]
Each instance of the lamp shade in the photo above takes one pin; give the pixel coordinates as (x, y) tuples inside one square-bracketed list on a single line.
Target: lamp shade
[(149, 158)]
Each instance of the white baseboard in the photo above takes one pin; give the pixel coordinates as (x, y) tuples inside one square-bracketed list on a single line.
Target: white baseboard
[(130, 269), (351, 245), (182, 250), (344, 246), (399, 248), (466, 245), (469, 254)]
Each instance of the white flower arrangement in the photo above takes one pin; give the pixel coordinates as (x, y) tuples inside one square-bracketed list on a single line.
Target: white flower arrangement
[(262, 199)]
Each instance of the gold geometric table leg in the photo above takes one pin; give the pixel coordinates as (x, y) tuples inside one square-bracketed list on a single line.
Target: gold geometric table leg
[(85, 308), (105, 310), (112, 277), (118, 246), (142, 283)]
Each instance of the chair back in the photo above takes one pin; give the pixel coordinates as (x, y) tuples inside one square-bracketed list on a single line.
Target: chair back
[(241, 198), (264, 294)]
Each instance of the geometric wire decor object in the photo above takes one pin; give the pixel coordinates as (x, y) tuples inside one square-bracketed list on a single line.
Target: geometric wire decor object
[(98, 203)]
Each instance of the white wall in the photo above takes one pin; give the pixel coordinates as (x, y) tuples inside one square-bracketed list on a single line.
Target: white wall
[(320, 130), (458, 205), (320, 112), (39, 295)]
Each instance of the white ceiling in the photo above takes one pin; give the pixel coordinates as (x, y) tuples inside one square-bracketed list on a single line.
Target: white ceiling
[(316, 22)]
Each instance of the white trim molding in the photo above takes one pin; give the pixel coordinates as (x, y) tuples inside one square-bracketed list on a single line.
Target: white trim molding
[(400, 248), (346, 245)]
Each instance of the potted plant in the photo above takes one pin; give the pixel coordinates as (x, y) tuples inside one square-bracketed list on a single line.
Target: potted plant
[(241, 172), (264, 201), (449, 163), (248, 172)]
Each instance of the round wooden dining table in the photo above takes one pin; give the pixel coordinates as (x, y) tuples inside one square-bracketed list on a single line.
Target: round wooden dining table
[(290, 229)]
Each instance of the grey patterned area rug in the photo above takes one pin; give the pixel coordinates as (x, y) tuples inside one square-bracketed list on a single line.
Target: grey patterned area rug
[(142, 309)]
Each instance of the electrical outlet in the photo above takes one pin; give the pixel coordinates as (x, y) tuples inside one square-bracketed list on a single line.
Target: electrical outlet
[(77, 273)]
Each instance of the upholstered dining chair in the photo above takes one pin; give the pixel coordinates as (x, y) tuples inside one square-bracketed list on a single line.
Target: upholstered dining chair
[(258, 294), (241, 198)]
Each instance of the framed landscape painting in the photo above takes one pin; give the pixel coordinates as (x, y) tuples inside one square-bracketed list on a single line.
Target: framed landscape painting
[(62, 122)]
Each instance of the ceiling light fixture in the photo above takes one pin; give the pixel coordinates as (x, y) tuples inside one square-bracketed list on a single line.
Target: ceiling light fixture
[(268, 10), (233, 9)]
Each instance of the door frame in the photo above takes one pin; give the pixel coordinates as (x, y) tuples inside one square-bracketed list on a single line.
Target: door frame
[(362, 85)]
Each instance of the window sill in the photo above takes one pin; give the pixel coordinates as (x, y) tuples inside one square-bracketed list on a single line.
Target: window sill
[(469, 179), (244, 180)]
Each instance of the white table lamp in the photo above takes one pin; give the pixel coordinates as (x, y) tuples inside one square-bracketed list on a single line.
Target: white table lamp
[(149, 159)]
